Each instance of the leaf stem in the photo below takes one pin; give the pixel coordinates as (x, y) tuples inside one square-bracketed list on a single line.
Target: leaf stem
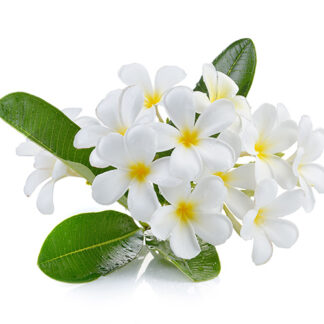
[(158, 115), (145, 226), (237, 226)]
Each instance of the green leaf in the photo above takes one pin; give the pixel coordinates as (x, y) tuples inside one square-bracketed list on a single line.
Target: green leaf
[(87, 246), (205, 266), (238, 61), (48, 127)]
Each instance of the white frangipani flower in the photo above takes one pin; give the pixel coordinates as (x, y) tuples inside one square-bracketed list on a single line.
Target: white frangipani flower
[(166, 77), (310, 147), (266, 136), (190, 214), (192, 140), (132, 155), (120, 110), (233, 178), (221, 86), (263, 223), (48, 166)]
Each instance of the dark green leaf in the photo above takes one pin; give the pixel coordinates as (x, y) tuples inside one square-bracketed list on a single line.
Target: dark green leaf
[(203, 267), (162, 200), (238, 61), (48, 127), (87, 246)]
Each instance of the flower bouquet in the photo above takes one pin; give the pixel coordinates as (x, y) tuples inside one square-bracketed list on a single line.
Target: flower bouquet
[(189, 165)]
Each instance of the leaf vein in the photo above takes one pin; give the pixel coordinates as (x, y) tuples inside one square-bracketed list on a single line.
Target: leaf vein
[(90, 247), (236, 60)]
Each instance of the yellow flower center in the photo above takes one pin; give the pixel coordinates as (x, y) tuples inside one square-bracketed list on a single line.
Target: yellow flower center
[(122, 130), (260, 217), (189, 137), (225, 176), (261, 147), (152, 99), (185, 211), (139, 171), (217, 94)]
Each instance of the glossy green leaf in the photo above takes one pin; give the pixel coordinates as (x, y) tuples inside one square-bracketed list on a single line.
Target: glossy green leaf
[(238, 61), (48, 127), (87, 246), (205, 266)]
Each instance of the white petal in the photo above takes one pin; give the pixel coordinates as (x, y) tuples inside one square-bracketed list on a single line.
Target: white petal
[(226, 87), (163, 221), (168, 76), (136, 74), (166, 136), (217, 155), (237, 125), (201, 101), (262, 248), (314, 176), (282, 113), (35, 179), (183, 241), (179, 104), (160, 173), (60, 170), (132, 101), (146, 116), (89, 136), (209, 193), (265, 118), (109, 186), (44, 160), (242, 177), (141, 143), (232, 140), (86, 121), (282, 137), (242, 107), (213, 228), (265, 192), (248, 226), (28, 148), (304, 130), (262, 170), (216, 118), (177, 193), (249, 137), (238, 202), (282, 172), (72, 113), (210, 78), (111, 149), (45, 198), (296, 160), (282, 233), (313, 149), (108, 110), (96, 161), (185, 163), (285, 204), (309, 199), (142, 201)]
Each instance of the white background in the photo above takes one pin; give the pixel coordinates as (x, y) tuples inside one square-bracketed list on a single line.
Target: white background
[(69, 52)]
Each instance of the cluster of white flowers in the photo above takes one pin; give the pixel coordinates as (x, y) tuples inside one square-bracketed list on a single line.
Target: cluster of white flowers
[(216, 154)]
